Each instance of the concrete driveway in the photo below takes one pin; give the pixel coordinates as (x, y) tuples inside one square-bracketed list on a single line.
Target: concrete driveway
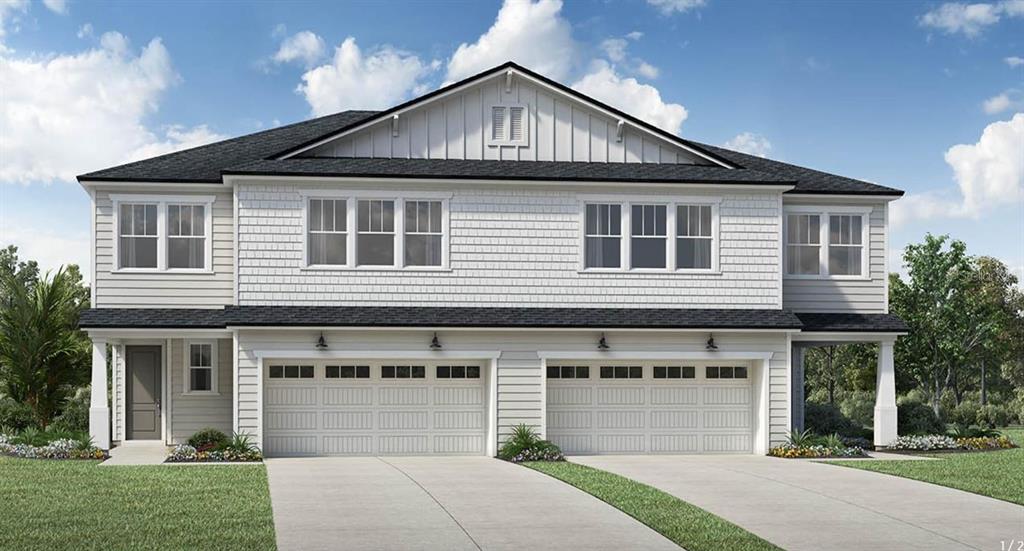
[(449, 503), (802, 505)]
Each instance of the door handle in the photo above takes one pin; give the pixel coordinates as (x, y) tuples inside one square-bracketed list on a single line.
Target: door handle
[(158, 405)]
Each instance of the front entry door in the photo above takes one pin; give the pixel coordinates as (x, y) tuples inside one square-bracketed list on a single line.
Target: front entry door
[(143, 375)]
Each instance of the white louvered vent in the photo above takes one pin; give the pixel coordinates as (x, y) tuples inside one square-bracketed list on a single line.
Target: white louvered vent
[(498, 123), (516, 124)]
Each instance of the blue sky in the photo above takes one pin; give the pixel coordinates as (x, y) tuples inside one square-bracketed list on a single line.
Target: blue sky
[(924, 96)]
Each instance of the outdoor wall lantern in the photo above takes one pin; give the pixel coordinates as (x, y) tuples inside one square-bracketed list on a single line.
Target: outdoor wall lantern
[(602, 344)]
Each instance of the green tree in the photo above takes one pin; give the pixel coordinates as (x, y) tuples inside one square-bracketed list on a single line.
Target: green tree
[(840, 367), (43, 355)]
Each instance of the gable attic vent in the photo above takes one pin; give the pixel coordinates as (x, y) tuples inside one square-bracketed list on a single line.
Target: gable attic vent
[(515, 124), (498, 123)]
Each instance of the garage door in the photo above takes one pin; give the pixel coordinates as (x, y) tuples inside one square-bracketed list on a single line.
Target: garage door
[(642, 407), (373, 408)]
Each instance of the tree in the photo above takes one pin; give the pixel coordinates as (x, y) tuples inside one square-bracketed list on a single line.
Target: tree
[(43, 355), (841, 367)]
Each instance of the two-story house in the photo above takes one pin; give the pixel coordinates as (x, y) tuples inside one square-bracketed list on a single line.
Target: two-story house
[(502, 250)]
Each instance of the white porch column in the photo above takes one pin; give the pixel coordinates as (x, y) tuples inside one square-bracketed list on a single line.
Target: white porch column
[(99, 408), (885, 395)]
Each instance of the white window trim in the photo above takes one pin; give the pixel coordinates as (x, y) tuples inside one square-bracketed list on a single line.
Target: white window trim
[(506, 141), (214, 371), (824, 212), (352, 198), (626, 233), (161, 202)]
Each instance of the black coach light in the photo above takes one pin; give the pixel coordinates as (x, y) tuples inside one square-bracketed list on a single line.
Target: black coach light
[(711, 342), (602, 344), (321, 344), (435, 344)]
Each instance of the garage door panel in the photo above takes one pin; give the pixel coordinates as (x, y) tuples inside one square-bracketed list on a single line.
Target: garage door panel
[(290, 445), (727, 443), (458, 420), (403, 445), (675, 395), (348, 396), (458, 396), (571, 419), (675, 443), (294, 420), (403, 420), (620, 419), (620, 396), (621, 443), (727, 419), (573, 443), (675, 419), (724, 396), (570, 396), (457, 444), (289, 396), (348, 420), (403, 396), (348, 445)]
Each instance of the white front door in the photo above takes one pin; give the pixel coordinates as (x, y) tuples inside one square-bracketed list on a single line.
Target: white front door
[(650, 407), (374, 408)]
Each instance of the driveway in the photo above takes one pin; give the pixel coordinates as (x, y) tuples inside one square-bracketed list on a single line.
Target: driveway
[(450, 503), (800, 505)]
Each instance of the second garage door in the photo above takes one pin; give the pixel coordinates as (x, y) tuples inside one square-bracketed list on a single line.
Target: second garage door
[(638, 407), (373, 408)]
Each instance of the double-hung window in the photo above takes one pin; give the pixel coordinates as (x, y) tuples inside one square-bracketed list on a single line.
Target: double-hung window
[(375, 239), (603, 236), (423, 235), (201, 367), (694, 237), (649, 238), (328, 232), (826, 242), (138, 238), (186, 236)]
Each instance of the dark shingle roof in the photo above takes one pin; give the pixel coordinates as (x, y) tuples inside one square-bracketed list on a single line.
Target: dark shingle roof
[(854, 323), (406, 316), (505, 170)]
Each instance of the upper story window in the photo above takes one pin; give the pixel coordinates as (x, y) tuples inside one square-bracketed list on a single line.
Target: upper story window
[(163, 233), (693, 237), (509, 125), (375, 241), (649, 237), (826, 242), (603, 236), (423, 235), (328, 232), (201, 367)]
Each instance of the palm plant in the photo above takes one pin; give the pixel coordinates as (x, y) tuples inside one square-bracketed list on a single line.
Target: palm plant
[(42, 352), (833, 441), (801, 438)]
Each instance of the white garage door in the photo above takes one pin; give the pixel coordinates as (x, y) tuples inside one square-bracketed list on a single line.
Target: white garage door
[(373, 408), (643, 407)]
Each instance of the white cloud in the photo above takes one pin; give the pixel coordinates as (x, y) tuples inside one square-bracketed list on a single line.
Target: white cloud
[(970, 19), (91, 114), (57, 6), (176, 138), (51, 248), (1010, 99), (989, 174), (750, 143), (354, 80), (635, 35), (615, 48), (533, 34), (647, 70), (668, 7), (10, 11), (1014, 61), (85, 31), (304, 46), (640, 100)]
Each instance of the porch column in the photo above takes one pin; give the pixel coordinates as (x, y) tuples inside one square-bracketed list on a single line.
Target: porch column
[(796, 374), (99, 408), (885, 395)]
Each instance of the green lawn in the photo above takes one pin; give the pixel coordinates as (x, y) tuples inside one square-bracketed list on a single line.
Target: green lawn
[(995, 474), (691, 527), (77, 505)]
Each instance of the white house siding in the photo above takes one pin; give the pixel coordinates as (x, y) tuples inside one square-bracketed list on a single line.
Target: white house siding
[(165, 289), (510, 246), (457, 127), (117, 384), (521, 378), (190, 413), (867, 296)]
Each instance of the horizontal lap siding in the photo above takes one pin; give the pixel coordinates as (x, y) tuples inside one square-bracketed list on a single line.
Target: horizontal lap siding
[(190, 413), (509, 246), (859, 296), (154, 290)]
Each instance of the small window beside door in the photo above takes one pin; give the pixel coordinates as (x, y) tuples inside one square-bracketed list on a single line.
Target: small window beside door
[(200, 367)]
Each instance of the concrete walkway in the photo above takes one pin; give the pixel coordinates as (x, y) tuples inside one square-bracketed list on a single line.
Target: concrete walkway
[(137, 453), (431, 503), (800, 505)]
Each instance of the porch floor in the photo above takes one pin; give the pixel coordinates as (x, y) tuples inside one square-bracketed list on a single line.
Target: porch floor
[(137, 453)]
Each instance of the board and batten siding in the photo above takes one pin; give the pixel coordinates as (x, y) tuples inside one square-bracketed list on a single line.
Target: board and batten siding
[(193, 412), (457, 127), (509, 246), (521, 378), (864, 296), (165, 289)]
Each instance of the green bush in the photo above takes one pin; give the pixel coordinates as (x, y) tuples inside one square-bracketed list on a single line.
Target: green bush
[(828, 419), (75, 415), (208, 439), (14, 414), (964, 414), (525, 445), (859, 407), (914, 417), (993, 415)]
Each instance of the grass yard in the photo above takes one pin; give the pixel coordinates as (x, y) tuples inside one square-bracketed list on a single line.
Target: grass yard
[(75, 504), (691, 527), (995, 474)]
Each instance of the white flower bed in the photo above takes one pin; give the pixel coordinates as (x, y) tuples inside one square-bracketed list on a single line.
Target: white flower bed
[(924, 443), (58, 449)]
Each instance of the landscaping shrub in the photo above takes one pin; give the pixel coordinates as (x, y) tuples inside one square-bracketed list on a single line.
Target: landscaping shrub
[(859, 407), (75, 415), (15, 414), (238, 448), (964, 414), (985, 443), (806, 444), (993, 415), (208, 439), (924, 443), (828, 419), (58, 448), (525, 445), (914, 417)]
